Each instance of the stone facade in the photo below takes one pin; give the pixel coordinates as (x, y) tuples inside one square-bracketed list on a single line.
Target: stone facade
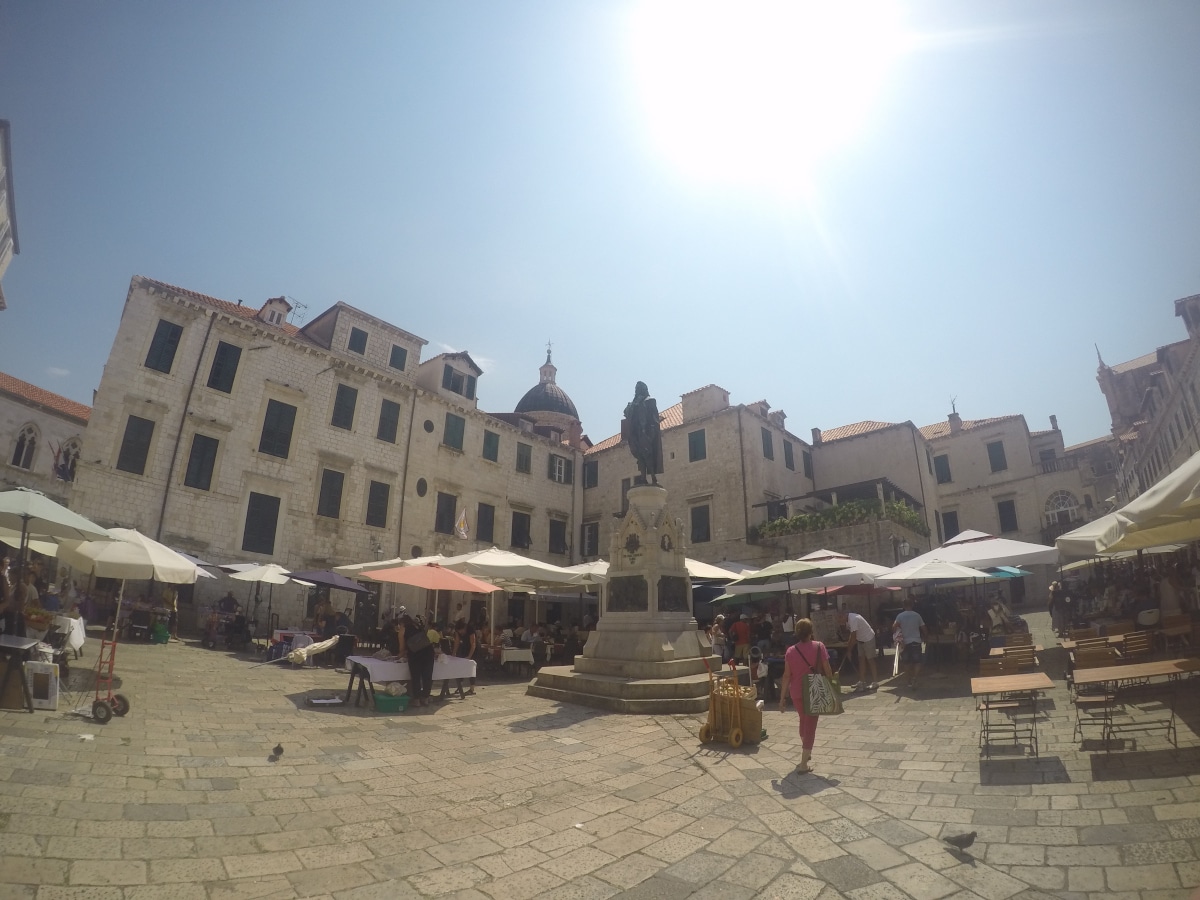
[(41, 434), (1154, 404), (228, 432)]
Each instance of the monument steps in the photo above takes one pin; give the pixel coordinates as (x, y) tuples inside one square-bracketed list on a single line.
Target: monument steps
[(670, 696)]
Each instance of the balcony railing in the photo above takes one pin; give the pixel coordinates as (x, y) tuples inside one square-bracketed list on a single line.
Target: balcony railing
[(1061, 464)]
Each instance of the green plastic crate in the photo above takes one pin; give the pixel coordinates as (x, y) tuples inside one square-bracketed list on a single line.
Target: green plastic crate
[(386, 703)]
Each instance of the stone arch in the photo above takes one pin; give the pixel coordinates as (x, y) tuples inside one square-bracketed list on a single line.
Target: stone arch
[(1062, 507), (65, 459), (26, 446)]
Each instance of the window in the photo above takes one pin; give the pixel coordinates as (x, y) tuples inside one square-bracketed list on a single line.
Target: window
[(697, 449), (22, 456), (389, 421), (343, 407), (789, 460), (561, 469), (358, 341), (276, 439), (558, 536), (626, 484), (701, 531), (1087, 501), (329, 503), (1007, 510), (941, 470), (524, 458), (201, 462), (452, 436), (768, 444), (379, 495), (950, 523), (929, 460), (520, 530), (589, 538), (591, 473), (224, 367), (398, 358), (776, 509), (65, 459), (1062, 508), (453, 380), (1046, 455), (806, 459), (262, 515), (447, 505), (937, 520), (485, 522), (162, 348), (135, 446), (491, 446), (996, 456)]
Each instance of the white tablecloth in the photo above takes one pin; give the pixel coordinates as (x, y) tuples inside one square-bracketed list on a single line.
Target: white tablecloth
[(380, 671), (516, 655), (72, 628)]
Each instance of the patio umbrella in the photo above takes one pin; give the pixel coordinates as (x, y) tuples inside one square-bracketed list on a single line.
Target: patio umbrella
[(1168, 513), (980, 550), (200, 564), (34, 515), (329, 579), (263, 573), (128, 554), (353, 569), (504, 565), (924, 571), (782, 575), (48, 547), (432, 576)]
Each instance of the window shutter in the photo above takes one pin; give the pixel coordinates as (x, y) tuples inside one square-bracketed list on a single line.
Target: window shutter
[(447, 378), (550, 466), (470, 387), (570, 472)]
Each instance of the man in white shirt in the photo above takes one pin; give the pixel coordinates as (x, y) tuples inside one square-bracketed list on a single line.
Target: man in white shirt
[(862, 635)]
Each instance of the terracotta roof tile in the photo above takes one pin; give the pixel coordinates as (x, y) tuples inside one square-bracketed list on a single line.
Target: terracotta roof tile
[(233, 309), (942, 429), (31, 393), (848, 431), (671, 417)]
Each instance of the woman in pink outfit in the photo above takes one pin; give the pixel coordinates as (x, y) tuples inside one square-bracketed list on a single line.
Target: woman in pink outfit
[(804, 657)]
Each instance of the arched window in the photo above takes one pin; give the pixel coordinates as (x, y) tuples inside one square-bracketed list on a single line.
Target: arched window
[(22, 456), (1061, 508), (65, 458)]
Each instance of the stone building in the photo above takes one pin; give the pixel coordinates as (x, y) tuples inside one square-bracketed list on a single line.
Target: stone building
[(727, 468), (1154, 405), (42, 434), (227, 431), (9, 247)]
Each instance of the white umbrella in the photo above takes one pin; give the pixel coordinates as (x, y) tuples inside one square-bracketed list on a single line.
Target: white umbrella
[(503, 565), (352, 569), (1168, 513), (267, 573), (922, 571), (31, 514), (981, 551), (129, 554), (596, 572), (46, 547)]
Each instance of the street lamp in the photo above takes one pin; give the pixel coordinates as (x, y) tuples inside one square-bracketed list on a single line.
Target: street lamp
[(900, 549)]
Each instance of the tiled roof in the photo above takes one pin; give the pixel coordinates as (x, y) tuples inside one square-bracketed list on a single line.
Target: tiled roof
[(942, 429), (706, 387), (233, 309), (671, 417), (1140, 362), (1094, 442), (1130, 433), (849, 431), (30, 393)]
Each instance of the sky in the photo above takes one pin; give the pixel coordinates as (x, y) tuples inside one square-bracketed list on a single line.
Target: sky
[(867, 210)]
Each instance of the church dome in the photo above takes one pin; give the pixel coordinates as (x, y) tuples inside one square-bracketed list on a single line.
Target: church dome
[(546, 396)]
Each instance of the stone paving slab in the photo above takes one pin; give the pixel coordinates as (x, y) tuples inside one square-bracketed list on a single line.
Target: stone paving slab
[(502, 795)]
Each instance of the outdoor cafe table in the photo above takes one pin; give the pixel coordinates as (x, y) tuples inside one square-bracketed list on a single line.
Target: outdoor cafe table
[(999, 651), (1114, 640), (17, 650), (1115, 679), (369, 670), (1028, 684)]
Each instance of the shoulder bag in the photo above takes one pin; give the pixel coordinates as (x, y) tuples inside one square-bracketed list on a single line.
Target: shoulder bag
[(821, 694), (417, 641)]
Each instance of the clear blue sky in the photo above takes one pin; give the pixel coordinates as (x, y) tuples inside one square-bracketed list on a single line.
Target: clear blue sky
[(667, 192)]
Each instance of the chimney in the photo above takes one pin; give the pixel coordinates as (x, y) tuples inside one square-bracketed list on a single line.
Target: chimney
[(955, 423), (816, 433), (1054, 423)]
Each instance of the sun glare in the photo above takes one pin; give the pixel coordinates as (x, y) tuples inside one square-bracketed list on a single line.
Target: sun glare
[(757, 91)]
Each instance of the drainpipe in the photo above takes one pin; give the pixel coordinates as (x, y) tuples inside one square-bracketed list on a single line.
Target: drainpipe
[(412, 415), (162, 510), (742, 460), (921, 481)]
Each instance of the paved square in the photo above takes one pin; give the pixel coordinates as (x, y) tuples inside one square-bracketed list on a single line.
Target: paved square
[(502, 795)]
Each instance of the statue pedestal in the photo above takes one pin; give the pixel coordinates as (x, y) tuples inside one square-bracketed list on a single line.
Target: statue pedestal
[(646, 653)]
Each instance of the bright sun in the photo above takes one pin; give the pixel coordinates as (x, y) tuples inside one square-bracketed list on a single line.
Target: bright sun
[(756, 91)]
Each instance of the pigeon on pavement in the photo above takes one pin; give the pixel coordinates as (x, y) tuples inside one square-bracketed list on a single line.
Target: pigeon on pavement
[(278, 751), (961, 841)]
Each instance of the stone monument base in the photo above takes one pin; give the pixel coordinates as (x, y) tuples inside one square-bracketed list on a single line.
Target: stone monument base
[(627, 686)]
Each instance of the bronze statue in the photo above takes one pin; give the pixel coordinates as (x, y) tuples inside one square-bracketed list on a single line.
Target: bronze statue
[(641, 429)]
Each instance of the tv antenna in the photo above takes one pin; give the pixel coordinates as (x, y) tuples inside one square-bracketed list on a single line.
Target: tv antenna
[(299, 311)]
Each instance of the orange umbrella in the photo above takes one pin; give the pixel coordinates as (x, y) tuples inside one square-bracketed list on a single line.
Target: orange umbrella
[(433, 577)]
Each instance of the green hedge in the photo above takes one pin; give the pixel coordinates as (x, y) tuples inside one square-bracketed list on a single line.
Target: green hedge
[(854, 512)]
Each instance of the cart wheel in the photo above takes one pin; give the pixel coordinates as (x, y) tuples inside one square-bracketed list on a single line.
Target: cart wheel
[(120, 704), (735, 738), (705, 733), (101, 711)]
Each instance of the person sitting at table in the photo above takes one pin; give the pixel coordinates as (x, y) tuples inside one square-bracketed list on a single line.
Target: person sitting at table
[(228, 604), (50, 600), (529, 635)]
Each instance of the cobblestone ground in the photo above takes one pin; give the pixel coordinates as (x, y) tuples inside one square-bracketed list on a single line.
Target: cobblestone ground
[(502, 795)]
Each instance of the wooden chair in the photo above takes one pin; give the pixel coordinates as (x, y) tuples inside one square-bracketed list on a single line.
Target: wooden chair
[(1175, 633), (1018, 639), (992, 665), (1079, 634), (1136, 646), (1020, 657), (1123, 627), (1097, 643), (996, 703)]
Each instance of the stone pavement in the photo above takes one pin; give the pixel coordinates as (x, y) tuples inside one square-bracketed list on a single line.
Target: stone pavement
[(507, 796)]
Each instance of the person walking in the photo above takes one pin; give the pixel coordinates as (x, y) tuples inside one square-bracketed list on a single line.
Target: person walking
[(862, 635), (912, 634), (415, 642), (804, 657)]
